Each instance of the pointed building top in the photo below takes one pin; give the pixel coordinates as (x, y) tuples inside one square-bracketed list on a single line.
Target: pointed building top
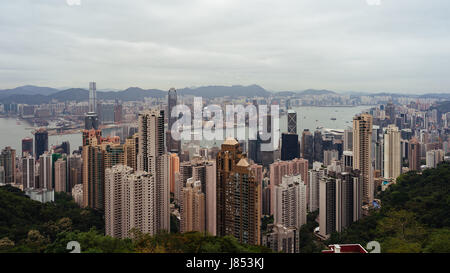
[(243, 163), (230, 141)]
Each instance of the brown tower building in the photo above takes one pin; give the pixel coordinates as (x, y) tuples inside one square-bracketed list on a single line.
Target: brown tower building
[(414, 154), (362, 140), (238, 195)]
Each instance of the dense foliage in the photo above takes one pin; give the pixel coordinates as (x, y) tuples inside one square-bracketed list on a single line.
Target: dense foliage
[(415, 215)]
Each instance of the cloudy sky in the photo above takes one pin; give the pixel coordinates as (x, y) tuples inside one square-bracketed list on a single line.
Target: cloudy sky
[(343, 45)]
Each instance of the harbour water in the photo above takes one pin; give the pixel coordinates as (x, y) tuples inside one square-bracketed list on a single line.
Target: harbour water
[(12, 132)]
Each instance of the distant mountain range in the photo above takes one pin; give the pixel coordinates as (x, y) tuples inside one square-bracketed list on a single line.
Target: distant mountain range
[(30, 94)]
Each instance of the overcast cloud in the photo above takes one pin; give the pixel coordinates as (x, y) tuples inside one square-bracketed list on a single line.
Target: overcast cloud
[(344, 45)]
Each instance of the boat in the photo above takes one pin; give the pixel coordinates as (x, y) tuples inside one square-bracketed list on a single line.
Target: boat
[(333, 118)]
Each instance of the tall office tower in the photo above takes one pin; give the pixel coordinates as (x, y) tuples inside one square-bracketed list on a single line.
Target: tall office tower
[(390, 112), (281, 168), (193, 207), (414, 153), (27, 146), (40, 142), (172, 102), (348, 139), (174, 168), (392, 153), (318, 146), (60, 166), (28, 176), (74, 169), (289, 146), (92, 97), (131, 149), (46, 171), (292, 122), (173, 145), (434, 157), (362, 155), (290, 202), (329, 156), (8, 161), (307, 144), (238, 195), (106, 113), (118, 116), (315, 176)]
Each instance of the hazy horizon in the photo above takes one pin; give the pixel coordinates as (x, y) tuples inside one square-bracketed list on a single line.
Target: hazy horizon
[(399, 46)]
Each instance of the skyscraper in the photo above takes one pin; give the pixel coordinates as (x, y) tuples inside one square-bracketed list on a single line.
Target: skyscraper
[(392, 153), (307, 144), (46, 171), (362, 155), (27, 146), (93, 97), (129, 202), (238, 195), (292, 122), (414, 154), (289, 146), (151, 159), (193, 207), (318, 146), (40, 142), (8, 161), (173, 145), (28, 176), (340, 202), (290, 202), (315, 176), (61, 175)]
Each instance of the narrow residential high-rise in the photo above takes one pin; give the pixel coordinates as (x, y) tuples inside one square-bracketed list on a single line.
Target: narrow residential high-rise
[(340, 202), (28, 172), (152, 159), (290, 202), (60, 167), (414, 154), (315, 176), (362, 154), (45, 171), (192, 211), (129, 202), (8, 161), (392, 153)]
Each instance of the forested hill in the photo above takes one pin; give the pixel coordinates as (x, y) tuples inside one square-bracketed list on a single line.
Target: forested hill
[(415, 215)]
